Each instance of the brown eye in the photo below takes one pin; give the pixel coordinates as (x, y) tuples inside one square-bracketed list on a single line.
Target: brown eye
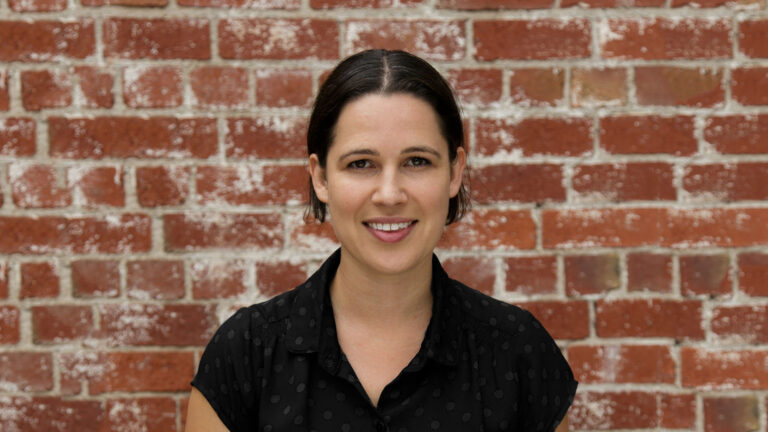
[(360, 164), (418, 162)]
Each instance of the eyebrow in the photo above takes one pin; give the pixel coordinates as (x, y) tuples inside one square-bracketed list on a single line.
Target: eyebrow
[(413, 149)]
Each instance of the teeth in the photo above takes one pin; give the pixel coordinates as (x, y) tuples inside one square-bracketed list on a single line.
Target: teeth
[(389, 227)]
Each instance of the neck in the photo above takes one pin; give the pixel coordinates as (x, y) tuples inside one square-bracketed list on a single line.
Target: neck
[(370, 299)]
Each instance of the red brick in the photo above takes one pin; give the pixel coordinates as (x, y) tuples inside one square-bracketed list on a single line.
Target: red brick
[(39, 279), (537, 87), (716, 3), (152, 86), (476, 87), (249, 4), (37, 5), (434, 40), (531, 275), (97, 186), (312, 236), (95, 278), (271, 38), (151, 371), (37, 186), (201, 231), (679, 319), (124, 137), (752, 273), (42, 41), (749, 86), (162, 185), (591, 274), (135, 38), (42, 89), (137, 3), (277, 277), (723, 369), (4, 279), (494, 4), (614, 410), (612, 3), (9, 325), (705, 275), (562, 319), (331, 4), (95, 86), (622, 364), (492, 229), (61, 323), (5, 94), (663, 38), (244, 185), (217, 279), (738, 134), (541, 39), (477, 273), (278, 88), (266, 137), (742, 324), (654, 226), (600, 227), (678, 411), (624, 182), (123, 233), (50, 413), (534, 136), (26, 371), (17, 136), (753, 38), (731, 414), (516, 182), (649, 272), (135, 324), (155, 279), (648, 135), (727, 182), (661, 85), (219, 87), (598, 87), (156, 414)]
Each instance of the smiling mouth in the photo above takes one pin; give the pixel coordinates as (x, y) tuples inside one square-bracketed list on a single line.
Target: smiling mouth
[(389, 227)]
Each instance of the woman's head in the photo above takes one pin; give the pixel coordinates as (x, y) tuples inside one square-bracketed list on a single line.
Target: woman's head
[(384, 72)]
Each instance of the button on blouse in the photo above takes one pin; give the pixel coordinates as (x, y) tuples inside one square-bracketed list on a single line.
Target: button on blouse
[(484, 365)]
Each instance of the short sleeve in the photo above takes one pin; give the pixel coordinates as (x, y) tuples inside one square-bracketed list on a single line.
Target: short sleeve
[(226, 374), (546, 379)]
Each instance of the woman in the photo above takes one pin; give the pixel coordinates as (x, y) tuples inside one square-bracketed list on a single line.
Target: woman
[(380, 338)]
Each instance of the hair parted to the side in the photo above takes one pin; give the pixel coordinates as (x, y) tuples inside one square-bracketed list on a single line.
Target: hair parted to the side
[(384, 72)]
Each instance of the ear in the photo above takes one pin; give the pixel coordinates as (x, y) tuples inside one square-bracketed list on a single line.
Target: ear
[(457, 171), (319, 181)]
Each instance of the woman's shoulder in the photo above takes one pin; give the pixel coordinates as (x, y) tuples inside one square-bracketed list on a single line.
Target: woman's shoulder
[(489, 312), (260, 317)]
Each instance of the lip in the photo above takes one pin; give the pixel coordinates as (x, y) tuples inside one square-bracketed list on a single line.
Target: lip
[(390, 236)]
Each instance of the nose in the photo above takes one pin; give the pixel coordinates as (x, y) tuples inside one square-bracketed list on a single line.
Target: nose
[(389, 189)]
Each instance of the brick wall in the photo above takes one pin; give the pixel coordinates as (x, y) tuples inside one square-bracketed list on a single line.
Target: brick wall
[(152, 173)]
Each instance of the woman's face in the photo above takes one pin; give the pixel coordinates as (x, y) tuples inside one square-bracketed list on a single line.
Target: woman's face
[(387, 182)]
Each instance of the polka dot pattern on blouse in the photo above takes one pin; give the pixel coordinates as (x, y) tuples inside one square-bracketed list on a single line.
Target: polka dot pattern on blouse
[(484, 365)]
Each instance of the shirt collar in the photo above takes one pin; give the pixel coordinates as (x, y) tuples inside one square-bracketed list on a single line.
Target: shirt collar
[(311, 326)]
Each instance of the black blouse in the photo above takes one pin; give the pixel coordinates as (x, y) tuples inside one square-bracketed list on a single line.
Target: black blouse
[(484, 365)]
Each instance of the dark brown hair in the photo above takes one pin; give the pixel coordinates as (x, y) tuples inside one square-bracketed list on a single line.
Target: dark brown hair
[(384, 72)]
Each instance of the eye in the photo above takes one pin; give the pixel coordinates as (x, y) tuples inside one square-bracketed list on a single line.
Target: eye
[(359, 164), (418, 161)]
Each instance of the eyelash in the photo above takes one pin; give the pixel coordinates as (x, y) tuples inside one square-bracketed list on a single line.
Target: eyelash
[(415, 162)]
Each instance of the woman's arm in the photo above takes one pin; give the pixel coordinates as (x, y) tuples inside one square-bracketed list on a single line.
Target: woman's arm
[(200, 415)]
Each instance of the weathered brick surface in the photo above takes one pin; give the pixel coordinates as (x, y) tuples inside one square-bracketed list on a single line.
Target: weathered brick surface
[(153, 170)]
